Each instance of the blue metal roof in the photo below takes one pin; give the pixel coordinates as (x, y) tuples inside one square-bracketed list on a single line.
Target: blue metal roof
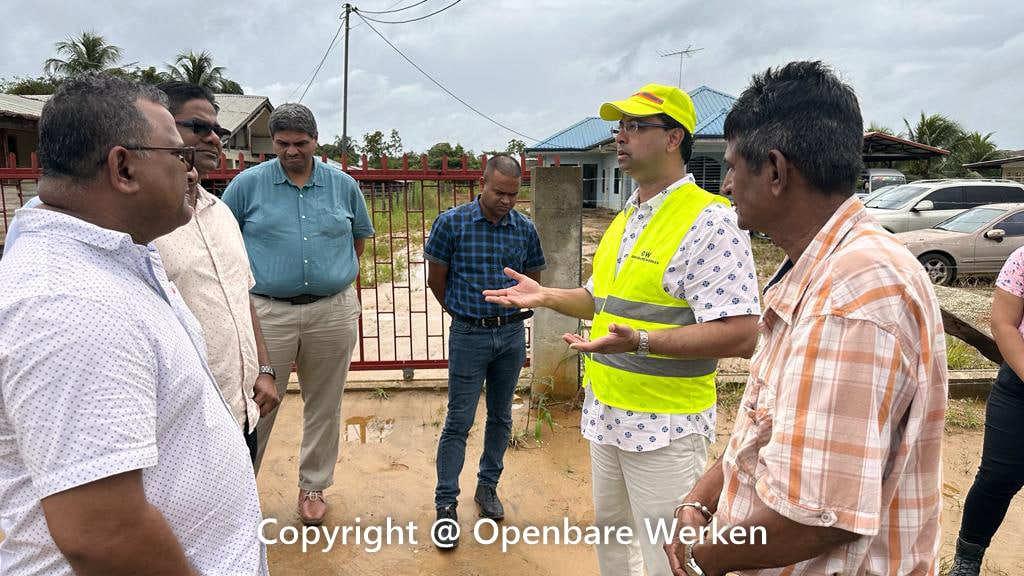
[(711, 105)]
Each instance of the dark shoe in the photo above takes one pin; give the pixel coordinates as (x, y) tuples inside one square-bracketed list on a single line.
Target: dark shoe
[(967, 561), (445, 531), (312, 507), (487, 499)]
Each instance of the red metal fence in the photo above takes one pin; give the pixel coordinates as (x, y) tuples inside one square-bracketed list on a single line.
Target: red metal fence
[(402, 326)]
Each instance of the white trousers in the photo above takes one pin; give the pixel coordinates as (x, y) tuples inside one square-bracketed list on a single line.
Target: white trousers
[(633, 487)]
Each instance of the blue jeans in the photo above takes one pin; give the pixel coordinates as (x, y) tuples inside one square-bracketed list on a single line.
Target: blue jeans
[(477, 354)]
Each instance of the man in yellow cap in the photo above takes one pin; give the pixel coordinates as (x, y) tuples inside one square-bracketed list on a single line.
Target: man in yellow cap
[(673, 290)]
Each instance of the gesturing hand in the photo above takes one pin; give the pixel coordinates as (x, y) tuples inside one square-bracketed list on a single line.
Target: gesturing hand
[(527, 293), (620, 338)]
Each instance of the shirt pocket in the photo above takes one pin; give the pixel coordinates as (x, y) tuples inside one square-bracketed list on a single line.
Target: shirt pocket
[(335, 223), (758, 413)]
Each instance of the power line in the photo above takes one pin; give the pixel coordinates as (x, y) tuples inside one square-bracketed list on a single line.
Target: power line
[(412, 20), (438, 84), (390, 11), (322, 60)]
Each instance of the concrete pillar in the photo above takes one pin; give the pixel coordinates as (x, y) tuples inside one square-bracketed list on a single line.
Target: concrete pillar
[(557, 211)]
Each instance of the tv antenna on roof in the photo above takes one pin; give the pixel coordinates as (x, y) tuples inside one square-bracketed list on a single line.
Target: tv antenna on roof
[(686, 53)]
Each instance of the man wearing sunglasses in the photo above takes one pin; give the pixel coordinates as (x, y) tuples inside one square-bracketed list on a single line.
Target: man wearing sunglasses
[(117, 453), (673, 289), (207, 261)]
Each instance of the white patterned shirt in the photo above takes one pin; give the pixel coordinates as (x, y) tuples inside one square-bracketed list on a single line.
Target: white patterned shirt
[(714, 271), (103, 371), (207, 261)]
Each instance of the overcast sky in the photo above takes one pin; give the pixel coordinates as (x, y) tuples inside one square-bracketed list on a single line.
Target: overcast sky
[(538, 66)]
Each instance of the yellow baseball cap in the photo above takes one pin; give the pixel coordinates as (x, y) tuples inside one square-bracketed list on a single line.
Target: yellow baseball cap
[(654, 99)]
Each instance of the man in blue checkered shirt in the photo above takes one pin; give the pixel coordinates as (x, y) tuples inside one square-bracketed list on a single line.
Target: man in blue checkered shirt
[(468, 249)]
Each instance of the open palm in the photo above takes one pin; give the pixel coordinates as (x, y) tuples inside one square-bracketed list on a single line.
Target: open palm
[(526, 293)]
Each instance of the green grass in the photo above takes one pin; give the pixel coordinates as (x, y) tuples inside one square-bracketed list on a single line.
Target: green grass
[(962, 356), (964, 415)]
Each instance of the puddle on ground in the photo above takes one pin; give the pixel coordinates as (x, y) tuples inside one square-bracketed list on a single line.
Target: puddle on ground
[(368, 429)]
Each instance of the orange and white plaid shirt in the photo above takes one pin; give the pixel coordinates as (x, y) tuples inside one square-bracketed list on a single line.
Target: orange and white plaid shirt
[(841, 421)]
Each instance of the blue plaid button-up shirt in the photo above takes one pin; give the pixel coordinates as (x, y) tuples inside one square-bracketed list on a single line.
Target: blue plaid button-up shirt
[(476, 252)]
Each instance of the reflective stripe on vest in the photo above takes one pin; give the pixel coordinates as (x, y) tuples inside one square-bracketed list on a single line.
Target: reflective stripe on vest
[(635, 297)]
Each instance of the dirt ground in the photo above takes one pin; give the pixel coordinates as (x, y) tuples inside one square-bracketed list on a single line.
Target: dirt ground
[(386, 470)]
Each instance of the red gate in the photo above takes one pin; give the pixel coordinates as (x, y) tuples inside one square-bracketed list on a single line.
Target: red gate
[(402, 326)]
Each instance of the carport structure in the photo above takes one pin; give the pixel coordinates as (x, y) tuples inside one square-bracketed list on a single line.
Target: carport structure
[(885, 149)]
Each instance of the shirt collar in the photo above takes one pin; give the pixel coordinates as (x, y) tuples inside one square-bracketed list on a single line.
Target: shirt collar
[(316, 178), (204, 199), (53, 222), (791, 280), (477, 214), (658, 199)]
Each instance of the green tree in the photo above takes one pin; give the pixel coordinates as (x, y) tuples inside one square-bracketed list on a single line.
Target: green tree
[(334, 149), (394, 147), (880, 128), (22, 86), (88, 52), (515, 147), (975, 147), (149, 75), (199, 69), (936, 130)]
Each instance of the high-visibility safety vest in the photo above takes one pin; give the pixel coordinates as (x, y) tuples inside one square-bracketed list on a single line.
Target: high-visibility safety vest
[(635, 297)]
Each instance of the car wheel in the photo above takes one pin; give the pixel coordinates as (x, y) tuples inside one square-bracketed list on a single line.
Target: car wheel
[(940, 268)]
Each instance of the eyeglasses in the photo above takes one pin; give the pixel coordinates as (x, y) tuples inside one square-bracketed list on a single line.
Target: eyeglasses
[(634, 126), (187, 154), (200, 128)]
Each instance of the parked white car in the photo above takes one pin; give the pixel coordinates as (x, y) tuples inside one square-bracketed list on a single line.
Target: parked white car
[(975, 242), (925, 203)]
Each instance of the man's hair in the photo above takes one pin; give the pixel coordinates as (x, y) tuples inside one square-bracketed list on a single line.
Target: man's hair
[(503, 163), (179, 92), (87, 116), (294, 117), (686, 146), (806, 112)]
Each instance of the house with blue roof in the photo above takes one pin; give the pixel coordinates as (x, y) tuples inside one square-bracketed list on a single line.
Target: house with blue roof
[(590, 144)]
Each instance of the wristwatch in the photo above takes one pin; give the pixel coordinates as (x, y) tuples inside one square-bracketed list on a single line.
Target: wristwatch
[(268, 370), (643, 347), (689, 564)]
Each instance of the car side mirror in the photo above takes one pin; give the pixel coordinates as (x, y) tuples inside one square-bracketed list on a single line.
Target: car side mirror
[(924, 206), (995, 234)]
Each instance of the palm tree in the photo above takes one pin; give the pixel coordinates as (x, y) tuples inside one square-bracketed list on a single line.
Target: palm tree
[(199, 69), (89, 52), (939, 131), (149, 75), (975, 147), (880, 128)]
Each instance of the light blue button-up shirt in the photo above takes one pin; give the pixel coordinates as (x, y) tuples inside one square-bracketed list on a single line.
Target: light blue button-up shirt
[(299, 240)]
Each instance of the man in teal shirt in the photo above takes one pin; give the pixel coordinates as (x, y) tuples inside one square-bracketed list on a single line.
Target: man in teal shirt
[(305, 225)]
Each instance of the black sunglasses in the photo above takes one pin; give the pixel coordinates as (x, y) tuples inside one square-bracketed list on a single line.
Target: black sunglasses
[(187, 154), (200, 128)]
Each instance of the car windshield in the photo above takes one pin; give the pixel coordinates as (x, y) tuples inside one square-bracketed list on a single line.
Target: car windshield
[(896, 198), (971, 220)]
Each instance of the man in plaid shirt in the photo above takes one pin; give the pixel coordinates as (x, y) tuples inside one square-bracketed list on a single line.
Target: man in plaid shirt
[(468, 249), (836, 449)]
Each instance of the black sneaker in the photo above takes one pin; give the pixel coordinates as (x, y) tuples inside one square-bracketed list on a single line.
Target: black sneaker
[(486, 498), (445, 531)]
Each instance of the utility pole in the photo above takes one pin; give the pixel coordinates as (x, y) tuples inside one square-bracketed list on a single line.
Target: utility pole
[(344, 105), (689, 51)]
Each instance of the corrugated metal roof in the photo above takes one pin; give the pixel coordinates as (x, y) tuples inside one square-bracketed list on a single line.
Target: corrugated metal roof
[(711, 106), (20, 106), (235, 109)]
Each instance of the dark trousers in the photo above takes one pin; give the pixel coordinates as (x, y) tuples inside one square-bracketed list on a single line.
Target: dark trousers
[(250, 442), (476, 355), (1001, 473)]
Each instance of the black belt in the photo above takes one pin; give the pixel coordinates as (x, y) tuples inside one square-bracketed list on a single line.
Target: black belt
[(495, 321), (295, 300)]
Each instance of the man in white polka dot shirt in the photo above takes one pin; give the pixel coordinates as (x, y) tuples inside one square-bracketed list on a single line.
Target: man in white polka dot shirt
[(673, 289), (118, 454)]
